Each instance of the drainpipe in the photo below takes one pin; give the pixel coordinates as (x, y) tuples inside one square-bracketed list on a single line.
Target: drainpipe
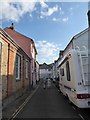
[(23, 72), (29, 73), (8, 70)]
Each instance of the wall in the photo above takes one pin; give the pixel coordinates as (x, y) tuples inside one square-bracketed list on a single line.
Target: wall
[(9, 83), (70, 46), (4, 71), (33, 62), (37, 72), (81, 41), (45, 73)]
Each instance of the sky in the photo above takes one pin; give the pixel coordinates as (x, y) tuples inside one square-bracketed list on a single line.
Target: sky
[(50, 24)]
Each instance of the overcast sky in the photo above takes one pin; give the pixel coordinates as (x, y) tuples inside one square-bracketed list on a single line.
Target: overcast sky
[(50, 24)]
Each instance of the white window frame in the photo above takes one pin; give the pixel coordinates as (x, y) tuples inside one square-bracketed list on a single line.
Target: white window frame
[(27, 70), (18, 69)]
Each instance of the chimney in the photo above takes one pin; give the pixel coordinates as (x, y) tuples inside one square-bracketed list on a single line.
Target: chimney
[(88, 18), (12, 26), (61, 53)]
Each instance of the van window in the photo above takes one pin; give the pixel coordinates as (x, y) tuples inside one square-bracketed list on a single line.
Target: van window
[(68, 71), (62, 72)]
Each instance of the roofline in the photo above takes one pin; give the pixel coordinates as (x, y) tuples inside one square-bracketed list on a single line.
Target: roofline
[(82, 32), (11, 40), (4, 33), (19, 33), (26, 37), (34, 45), (76, 36)]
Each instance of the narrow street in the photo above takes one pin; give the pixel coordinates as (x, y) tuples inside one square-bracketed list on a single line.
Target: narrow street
[(44, 55), (48, 103)]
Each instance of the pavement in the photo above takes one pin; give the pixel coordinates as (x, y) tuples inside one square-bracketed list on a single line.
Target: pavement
[(16, 105)]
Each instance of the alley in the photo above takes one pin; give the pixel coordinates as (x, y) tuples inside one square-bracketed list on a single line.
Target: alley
[(48, 103)]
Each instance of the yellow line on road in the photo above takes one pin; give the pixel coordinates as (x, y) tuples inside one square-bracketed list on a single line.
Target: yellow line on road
[(23, 104)]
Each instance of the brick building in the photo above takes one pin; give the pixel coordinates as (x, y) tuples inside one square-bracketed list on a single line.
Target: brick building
[(17, 64), (28, 46)]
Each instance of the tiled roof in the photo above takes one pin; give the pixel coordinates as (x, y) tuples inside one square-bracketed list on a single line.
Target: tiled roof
[(23, 41), (45, 66)]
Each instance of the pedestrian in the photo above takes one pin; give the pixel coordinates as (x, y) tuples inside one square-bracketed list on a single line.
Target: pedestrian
[(44, 83)]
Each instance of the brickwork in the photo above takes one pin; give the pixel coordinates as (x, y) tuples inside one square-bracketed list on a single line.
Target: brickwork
[(4, 69), (8, 65)]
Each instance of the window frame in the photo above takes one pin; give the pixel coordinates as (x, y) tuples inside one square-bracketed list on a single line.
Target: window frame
[(27, 69), (18, 69), (68, 71)]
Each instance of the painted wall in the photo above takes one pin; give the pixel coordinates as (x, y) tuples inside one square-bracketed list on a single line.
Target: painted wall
[(45, 73), (33, 62), (37, 71)]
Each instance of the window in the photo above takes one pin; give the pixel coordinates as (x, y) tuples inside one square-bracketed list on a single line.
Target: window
[(62, 72), (18, 67), (68, 71), (27, 70)]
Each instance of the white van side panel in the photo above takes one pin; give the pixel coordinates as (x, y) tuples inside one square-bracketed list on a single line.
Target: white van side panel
[(65, 85), (76, 85)]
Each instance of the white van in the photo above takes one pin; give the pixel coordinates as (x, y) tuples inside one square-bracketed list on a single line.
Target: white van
[(74, 75)]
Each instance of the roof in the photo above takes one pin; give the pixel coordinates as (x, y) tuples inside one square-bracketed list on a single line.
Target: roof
[(82, 32), (2, 32), (23, 41), (45, 66)]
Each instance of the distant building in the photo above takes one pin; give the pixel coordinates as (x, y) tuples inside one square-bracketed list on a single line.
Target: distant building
[(45, 71), (55, 71)]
